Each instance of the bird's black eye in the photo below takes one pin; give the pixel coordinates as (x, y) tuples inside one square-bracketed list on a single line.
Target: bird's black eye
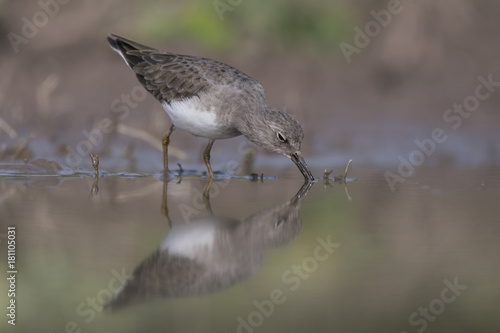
[(281, 137)]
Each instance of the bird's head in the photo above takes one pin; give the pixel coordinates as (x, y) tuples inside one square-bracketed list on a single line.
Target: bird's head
[(278, 132)]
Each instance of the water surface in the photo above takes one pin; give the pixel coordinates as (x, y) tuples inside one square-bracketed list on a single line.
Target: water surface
[(129, 253)]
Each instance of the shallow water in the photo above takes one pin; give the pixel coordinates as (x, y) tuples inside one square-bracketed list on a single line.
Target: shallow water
[(254, 256)]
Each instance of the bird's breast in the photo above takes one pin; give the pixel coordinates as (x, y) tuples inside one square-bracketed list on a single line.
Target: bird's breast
[(200, 119)]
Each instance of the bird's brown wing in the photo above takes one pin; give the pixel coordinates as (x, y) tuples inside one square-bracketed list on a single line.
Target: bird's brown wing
[(170, 77)]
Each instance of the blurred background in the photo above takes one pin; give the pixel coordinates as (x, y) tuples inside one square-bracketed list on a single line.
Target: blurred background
[(59, 78), (64, 92)]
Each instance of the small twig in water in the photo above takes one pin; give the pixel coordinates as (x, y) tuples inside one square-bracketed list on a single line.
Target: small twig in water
[(95, 163), (326, 177), (347, 169)]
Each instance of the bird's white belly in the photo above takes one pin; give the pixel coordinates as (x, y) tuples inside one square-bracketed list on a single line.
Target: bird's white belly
[(197, 119)]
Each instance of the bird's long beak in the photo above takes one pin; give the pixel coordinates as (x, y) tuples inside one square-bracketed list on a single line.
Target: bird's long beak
[(301, 164)]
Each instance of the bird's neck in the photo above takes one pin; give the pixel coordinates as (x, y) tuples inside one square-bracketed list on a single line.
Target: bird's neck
[(250, 123)]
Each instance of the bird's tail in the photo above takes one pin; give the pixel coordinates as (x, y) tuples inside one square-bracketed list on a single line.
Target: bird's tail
[(126, 47)]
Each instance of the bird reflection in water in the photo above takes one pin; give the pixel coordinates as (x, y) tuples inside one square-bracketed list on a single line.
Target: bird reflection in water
[(210, 254)]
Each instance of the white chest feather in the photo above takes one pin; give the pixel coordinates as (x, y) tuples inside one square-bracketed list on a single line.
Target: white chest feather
[(195, 118)]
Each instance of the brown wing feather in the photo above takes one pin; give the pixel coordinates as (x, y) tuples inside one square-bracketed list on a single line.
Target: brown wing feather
[(170, 77), (167, 77)]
